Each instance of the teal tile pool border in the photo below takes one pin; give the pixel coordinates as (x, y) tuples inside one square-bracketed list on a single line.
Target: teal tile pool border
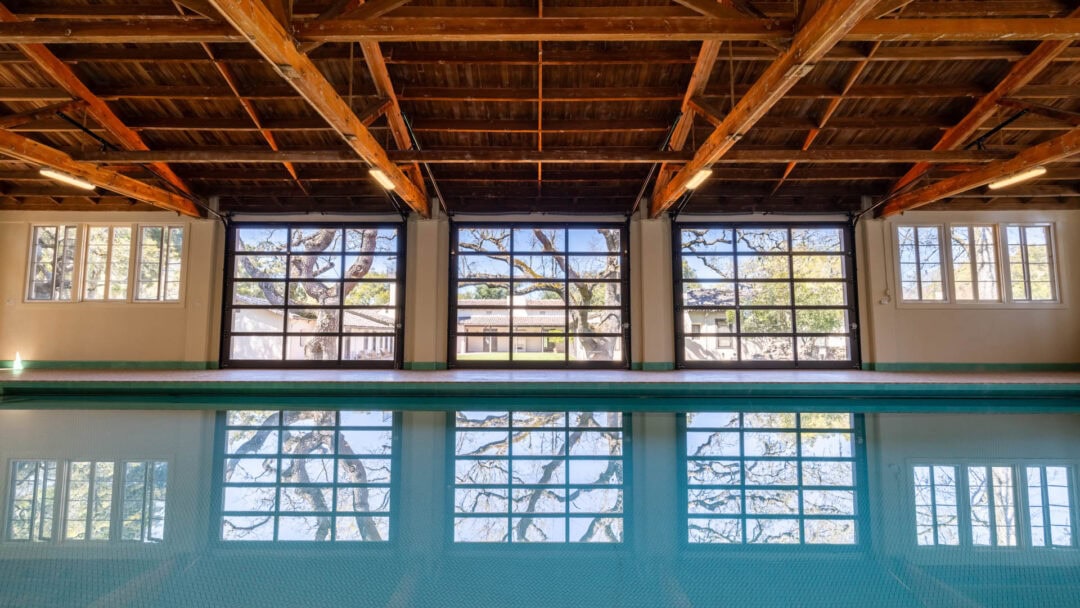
[(623, 396)]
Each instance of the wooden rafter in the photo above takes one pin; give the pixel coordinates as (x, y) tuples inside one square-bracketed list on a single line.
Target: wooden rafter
[(568, 29), (249, 109), (1056, 149), (699, 79), (529, 156), (834, 105), (277, 46), (1021, 73), (59, 72), (15, 120), (30, 151), (821, 33), (1065, 116)]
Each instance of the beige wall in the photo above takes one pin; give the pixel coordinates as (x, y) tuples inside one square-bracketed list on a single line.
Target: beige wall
[(112, 331), (184, 439), (892, 332), (897, 332), (897, 442)]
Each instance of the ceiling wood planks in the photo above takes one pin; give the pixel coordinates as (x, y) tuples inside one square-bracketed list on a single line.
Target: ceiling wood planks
[(821, 33), (274, 43), (1056, 149), (30, 151)]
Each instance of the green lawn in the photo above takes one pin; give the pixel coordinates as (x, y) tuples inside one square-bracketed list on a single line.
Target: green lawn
[(505, 356)]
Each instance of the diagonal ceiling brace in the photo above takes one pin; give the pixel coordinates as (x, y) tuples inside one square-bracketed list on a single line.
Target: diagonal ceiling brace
[(822, 32), (255, 21)]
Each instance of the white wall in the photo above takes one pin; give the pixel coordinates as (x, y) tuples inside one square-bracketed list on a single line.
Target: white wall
[(185, 331), (897, 332)]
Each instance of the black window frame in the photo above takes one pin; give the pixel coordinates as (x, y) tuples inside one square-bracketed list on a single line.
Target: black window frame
[(566, 363), (860, 481), (228, 306), (851, 297), (626, 487), (218, 484)]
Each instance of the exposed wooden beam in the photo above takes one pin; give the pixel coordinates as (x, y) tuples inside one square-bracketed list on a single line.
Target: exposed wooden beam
[(565, 95), (373, 8), (587, 29), (821, 33), (807, 9), (887, 6), (59, 72), (30, 151), (380, 75), (518, 156), (684, 126), (82, 53), (281, 10), (1065, 116), (1021, 73), (1056, 149), (274, 43), (14, 120)]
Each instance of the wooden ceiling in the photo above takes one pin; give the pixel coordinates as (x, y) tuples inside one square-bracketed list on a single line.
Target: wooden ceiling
[(568, 106)]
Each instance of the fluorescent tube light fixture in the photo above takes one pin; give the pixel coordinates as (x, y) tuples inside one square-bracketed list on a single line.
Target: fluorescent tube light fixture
[(382, 178), (1016, 178), (698, 179), (67, 179)]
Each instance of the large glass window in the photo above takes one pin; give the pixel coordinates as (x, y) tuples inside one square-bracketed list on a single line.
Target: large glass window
[(88, 508), (89, 501), (764, 295), (539, 477), (306, 476), (31, 512), (105, 271), (539, 295), (980, 505), (974, 273), (771, 478), (144, 488), (313, 295), (52, 263)]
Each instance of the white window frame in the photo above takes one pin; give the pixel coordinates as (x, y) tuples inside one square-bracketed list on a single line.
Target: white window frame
[(1021, 504), (943, 260), (58, 528), (1006, 261), (81, 249), (76, 271), (1002, 274)]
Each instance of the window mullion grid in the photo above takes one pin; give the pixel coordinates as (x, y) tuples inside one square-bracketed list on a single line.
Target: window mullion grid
[(933, 505), (742, 476), (280, 460), (1048, 530), (341, 329), (566, 455), (736, 283), (58, 271), (963, 505), (566, 336), (34, 502), (918, 263), (510, 429), (162, 263), (147, 503), (794, 317), (1025, 261), (991, 504), (799, 478)]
